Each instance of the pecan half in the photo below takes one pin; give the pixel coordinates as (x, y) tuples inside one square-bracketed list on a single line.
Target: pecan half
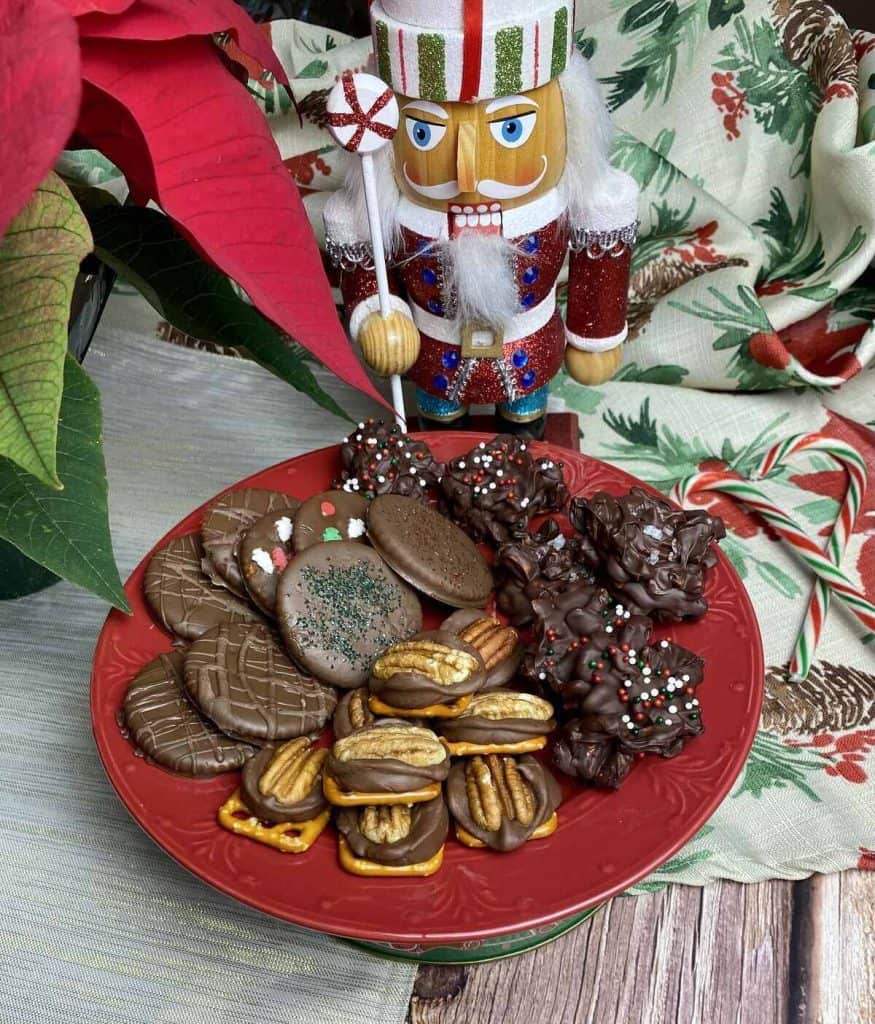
[(494, 641), (409, 743), (501, 704), (496, 790), (442, 664), (359, 713), (385, 824), (293, 772)]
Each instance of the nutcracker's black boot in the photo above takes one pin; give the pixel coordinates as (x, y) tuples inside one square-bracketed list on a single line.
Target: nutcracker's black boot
[(534, 429)]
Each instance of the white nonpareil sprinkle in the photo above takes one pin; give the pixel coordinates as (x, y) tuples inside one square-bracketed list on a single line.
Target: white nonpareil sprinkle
[(413, 470), (646, 671), (609, 629), (524, 503), (632, 655), (669, 721), (371, 442), (422, 482), (685, 678), (492, 485), (477, 460), (663, 643), (673, 708), (361, 426), (381, 479), (408, 455), (499, 472), (462, 465), (358, 437), (482, 444), (355, 528), (523, 447), (542, 675), (695, 702), (689, 705), (654, 692), (476, 490), (284, 528), (626, 718), (263, 560)]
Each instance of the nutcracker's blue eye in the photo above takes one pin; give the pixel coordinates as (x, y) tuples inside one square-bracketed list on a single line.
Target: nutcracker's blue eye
[(424, 134), (511, 132)]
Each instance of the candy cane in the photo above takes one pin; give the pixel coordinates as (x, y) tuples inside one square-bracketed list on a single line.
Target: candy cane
[(826, 568), (818, 606)]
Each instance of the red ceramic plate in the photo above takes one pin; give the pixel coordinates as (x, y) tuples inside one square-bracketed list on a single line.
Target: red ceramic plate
[(605, 841)]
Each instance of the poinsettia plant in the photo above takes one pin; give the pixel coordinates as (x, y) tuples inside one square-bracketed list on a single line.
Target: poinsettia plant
[(144, 83)]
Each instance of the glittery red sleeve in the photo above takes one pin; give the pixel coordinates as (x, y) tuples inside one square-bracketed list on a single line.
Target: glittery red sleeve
[(598, 288), (360, 283)]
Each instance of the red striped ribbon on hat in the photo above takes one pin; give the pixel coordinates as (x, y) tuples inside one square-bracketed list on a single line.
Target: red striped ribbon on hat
[(472, 50)]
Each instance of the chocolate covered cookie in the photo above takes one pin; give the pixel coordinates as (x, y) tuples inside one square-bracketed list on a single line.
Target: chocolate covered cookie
[(338, 606), (185, 601), (500, 722), (284, 783), (429, 551), (241, 678), (545, 560), (331, 515), (263, 552), (501, 802), (379, 459), (653, 555), (432, 673), (498, 645), (169, 730), (494, 490), (386, 763), (225, 522), (393, 841)]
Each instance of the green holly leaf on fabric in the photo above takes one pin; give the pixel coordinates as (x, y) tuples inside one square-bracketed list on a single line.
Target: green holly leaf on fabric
[(315, 69), (771, 764), (67, 531), (721, 12), (39, 260), (647, 12), (669, 373), (145, 248)]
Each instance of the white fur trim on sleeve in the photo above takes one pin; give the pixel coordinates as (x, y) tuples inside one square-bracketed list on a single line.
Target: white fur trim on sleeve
[(614, 205), (596, 344), (372, 305)]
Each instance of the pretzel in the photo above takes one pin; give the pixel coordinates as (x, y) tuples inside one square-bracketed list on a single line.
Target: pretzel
[(464, 749), (452, 710), (541, 832), (340, 798), (371, 869), (287, 836)]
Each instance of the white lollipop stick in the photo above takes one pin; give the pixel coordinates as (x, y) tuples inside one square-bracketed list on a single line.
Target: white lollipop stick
[(363, 117)]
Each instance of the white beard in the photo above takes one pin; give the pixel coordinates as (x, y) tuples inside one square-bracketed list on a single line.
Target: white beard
[(479, 278)]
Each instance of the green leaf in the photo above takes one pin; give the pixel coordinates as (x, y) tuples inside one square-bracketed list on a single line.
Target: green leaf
[(315, 69), (39, 259), (778, 579), (67, 531), (667, 374), (645, 13), (815, 292), (823, 510), (144, 247), (721, 12)]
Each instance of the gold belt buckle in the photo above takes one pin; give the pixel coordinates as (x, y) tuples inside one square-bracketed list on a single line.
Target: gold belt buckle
[(476, 346)]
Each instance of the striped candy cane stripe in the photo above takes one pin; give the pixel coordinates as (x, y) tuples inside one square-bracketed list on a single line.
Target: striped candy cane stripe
[(818, 606)]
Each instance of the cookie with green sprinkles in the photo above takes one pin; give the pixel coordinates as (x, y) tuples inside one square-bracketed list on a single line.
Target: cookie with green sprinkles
[(338, 606)]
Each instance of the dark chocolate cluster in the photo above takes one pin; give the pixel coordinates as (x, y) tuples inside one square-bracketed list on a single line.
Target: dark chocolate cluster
[(652, 555), (378, 458), (620, 695), (546, 560), (494, 490)]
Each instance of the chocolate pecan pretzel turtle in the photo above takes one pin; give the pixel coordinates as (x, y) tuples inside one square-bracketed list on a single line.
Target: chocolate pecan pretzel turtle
[(393, 841), (431, 674), (502, 802), (499, 645), (389, 762), (500, 722)]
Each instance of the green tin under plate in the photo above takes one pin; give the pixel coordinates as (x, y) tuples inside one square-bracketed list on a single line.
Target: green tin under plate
[(477, 951)]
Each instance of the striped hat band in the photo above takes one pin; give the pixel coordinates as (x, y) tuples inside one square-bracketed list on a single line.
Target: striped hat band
[(486, 50)]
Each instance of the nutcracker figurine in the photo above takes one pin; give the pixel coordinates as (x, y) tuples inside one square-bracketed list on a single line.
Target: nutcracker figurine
[(499, 166)]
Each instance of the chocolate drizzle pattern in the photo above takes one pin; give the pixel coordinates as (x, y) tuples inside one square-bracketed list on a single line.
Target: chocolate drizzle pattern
[(184, 600), (169, 730), (494, 490), (242, 679), (380, 459), (653, 556)]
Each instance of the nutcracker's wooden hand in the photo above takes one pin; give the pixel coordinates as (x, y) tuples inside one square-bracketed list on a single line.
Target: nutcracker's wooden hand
[(389, 344), (592, 367)]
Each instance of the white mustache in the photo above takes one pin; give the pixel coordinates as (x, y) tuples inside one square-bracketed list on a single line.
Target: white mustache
[(488, 188)]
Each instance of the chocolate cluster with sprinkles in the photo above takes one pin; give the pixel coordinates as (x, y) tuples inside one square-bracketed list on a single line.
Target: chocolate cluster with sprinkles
[(543, 561), (652, 555), (621, 695), (378, 458), (494, 490)]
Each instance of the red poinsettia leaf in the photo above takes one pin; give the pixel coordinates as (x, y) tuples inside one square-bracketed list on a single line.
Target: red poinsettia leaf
[(152, 20), (79, 7), (212, 165), (39, 96)]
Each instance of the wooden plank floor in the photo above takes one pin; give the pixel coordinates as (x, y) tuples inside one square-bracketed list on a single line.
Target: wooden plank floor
[(773, 953)]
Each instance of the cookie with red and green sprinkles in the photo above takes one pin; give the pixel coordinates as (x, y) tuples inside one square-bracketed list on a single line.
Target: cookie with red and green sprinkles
[(264, 551), (330, 516)]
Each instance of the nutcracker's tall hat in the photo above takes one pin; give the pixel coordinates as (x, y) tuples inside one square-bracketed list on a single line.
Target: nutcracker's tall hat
[(445, 50)]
